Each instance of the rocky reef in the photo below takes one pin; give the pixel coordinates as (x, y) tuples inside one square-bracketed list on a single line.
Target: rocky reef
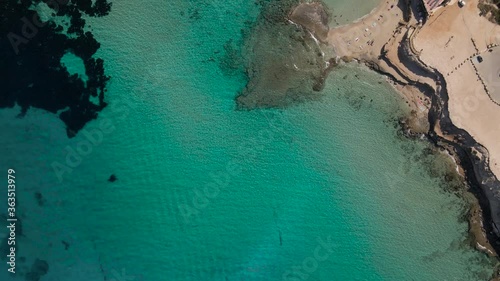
[(283, 60), (314, 17), (31, 50)]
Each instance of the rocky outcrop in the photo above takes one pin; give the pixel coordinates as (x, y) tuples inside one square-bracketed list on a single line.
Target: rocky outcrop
[(314, 17), (283, 61)]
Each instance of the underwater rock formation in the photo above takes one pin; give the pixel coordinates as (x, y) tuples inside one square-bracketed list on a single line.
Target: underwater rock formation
[(314, 17), (284, 62)]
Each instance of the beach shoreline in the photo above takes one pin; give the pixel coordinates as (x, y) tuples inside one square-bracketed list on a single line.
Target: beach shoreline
[(386, 40)]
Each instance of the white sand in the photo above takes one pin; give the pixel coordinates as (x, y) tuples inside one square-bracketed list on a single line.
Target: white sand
[(446, 43)]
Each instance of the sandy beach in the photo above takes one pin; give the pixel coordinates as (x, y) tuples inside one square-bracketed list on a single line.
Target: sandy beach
[(364, 38), (450, 43), (446, 43)]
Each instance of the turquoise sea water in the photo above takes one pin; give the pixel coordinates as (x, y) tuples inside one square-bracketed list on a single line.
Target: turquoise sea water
[(208, 192)]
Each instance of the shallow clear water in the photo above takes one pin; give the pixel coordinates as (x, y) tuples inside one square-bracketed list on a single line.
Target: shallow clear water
[(344, 12), (208, 192)]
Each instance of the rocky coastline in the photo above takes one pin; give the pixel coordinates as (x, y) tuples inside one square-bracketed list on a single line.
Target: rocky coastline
[(398, 60), (389, 51), (470, 155)]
